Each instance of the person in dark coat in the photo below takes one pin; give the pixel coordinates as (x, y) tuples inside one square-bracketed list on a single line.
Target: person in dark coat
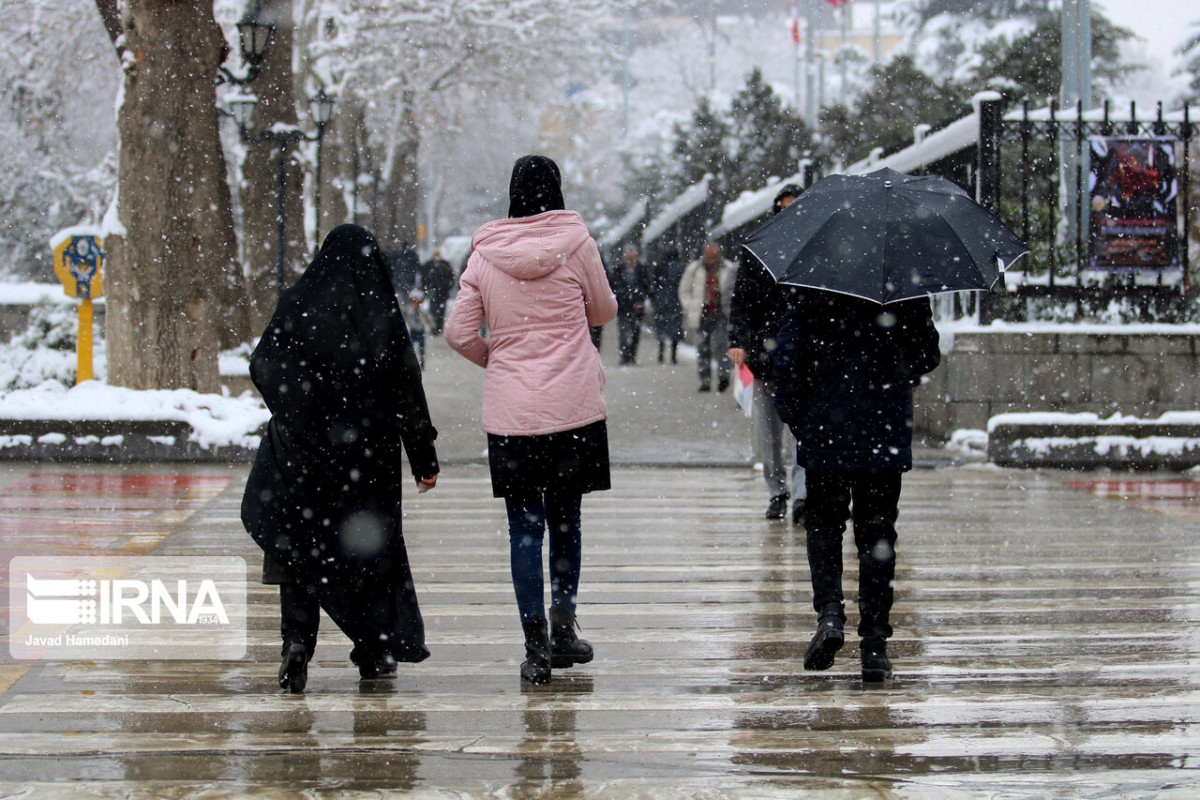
[(844, 371), (437, 279), (756, 312), (404, 265), (631, 285), (338, 373), (668, 314)]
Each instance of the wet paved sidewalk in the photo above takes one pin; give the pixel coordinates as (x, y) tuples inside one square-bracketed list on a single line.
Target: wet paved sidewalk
[(1047, 644)]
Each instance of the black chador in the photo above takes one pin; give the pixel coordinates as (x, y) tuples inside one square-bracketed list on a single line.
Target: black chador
[(339, 375)]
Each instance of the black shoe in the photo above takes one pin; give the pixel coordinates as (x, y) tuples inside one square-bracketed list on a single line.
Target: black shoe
[(293, 672), (704, 387), (372, 668), (876, 666), (722, 384), (777, 508), (798, 512), (567, 649), (536, 666), (828, 639)]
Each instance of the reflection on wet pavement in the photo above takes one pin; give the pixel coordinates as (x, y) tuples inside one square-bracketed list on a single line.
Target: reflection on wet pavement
[(1047, 640)]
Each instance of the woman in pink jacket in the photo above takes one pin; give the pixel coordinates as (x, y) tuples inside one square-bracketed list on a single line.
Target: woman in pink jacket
[(536, 279)]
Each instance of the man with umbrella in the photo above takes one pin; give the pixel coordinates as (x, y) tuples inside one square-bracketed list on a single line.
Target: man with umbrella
[(866, 251)]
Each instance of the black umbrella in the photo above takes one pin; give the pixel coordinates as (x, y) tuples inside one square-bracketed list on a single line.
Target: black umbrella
[(886, 237)]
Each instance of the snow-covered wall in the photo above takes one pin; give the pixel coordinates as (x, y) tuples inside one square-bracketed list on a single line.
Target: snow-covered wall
[(1138, 371)]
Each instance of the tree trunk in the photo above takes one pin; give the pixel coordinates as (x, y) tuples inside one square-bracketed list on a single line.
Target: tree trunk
[(165, 273), (397, 215), (263, 214)]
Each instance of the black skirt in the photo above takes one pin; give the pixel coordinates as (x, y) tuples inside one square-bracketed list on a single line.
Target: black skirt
[(574, 460)]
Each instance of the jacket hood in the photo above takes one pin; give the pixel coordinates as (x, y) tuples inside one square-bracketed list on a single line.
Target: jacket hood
[(536, 187), (531, 247)]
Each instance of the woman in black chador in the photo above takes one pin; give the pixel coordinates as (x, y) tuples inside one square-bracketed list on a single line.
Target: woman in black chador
[(338, 372)]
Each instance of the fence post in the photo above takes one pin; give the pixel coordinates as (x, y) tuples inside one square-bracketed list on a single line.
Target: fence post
[(987, 169), (1186, 191)]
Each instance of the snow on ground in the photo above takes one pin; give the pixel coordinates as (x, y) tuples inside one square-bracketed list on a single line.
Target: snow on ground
[(215, 419), (27, 293), (37, 373), (1068, 418), (1123, 445)]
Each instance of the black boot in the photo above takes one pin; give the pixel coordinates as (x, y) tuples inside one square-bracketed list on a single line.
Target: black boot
[(661, 350), (536, 666), (293, 671), (828, 639), (777, 508), (876, 666), (380, 667), (566, 649)]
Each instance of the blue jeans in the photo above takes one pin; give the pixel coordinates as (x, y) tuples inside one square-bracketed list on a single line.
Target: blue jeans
[(528, 516)]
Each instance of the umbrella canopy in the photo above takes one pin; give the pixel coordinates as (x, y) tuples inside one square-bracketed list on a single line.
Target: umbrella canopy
[(886, 237)]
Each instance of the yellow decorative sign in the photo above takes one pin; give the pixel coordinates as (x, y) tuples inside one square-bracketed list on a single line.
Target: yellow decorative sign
[(79, 266)]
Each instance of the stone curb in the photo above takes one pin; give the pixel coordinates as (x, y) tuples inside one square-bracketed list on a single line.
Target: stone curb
[(110, 441), (1120, 446)]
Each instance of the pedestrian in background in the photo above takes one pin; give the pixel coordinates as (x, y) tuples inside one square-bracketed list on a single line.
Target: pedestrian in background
[(418, 321), (537, 280), (437, 279), (668, 314), (844, 371), (631, 285), (404, 265), (705, 294), (337, 370), (596, 332), (757, 311)]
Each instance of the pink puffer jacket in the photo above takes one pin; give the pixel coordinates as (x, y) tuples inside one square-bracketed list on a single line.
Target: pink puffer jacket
[(539, 283)]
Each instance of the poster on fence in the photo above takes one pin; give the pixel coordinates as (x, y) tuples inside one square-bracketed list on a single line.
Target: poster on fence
[(1133, 210)]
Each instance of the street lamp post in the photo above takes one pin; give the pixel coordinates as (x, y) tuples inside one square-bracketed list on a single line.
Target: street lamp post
[(321, 107), (254, 39), (242, 111)]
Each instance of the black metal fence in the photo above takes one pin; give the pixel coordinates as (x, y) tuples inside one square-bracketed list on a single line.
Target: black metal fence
[(1021, 176), (1015, 168)]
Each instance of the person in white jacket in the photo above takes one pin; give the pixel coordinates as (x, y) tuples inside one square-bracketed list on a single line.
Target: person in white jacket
[(705, 293)]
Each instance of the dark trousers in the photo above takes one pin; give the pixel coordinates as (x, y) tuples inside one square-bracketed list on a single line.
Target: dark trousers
[(872, 500), (418, 343), (437, 310), (299, 617), (712, 342), (629, 330), (529, 515)]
